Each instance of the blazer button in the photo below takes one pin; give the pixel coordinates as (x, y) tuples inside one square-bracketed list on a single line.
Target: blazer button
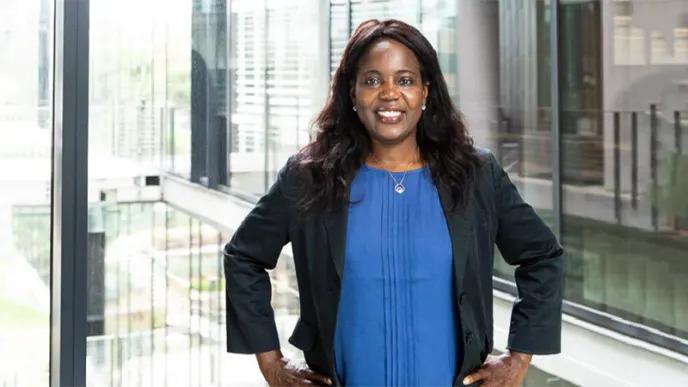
[(469, 337)]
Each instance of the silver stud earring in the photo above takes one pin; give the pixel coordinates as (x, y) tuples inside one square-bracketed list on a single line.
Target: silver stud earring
[(422, 107), (355, 109)]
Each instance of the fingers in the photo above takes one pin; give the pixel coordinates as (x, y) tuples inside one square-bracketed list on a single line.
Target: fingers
[(316, 377), (299, 374), (479, 375), (293, 380)]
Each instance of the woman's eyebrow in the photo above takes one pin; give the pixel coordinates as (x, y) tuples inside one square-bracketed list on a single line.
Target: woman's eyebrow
[(370, 72), (397, 72)]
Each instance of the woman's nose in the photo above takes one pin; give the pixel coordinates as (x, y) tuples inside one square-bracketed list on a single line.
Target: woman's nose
[(389, 91)]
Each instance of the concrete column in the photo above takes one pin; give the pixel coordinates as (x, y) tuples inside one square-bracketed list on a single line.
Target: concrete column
[(478, 68)]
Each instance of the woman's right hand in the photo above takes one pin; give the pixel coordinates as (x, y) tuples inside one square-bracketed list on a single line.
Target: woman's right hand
[(280, 371)]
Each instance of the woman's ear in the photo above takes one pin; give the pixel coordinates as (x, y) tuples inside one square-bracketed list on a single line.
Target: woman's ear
[(352, 95)]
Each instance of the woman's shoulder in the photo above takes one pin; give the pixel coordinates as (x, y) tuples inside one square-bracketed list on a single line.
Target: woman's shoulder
[(293, 176), (487, 175), (294, 168), (488, 162), (484, 154)]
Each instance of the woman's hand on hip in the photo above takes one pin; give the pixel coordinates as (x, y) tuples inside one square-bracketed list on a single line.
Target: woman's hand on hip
[(280, 371), (508, 370)]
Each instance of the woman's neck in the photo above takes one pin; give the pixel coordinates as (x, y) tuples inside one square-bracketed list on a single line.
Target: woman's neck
[(395, 158)]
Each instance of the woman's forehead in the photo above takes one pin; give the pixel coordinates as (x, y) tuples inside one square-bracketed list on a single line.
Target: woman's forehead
[(388, 54)]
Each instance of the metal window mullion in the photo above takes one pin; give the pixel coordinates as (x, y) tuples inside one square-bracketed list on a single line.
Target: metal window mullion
[(349, 27), (69, 202), (229, 94), (266, 100), (555, 110)]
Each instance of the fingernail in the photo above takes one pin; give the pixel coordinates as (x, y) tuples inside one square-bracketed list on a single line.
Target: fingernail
[(466, 381), (329, 381)]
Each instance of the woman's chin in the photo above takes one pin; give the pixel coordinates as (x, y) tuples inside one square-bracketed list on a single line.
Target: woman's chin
[(390, 133)]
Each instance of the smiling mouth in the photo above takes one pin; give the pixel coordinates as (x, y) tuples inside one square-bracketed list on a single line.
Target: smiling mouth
[(389, 116)]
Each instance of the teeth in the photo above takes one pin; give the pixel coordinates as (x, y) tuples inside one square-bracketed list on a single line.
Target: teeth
[(389, 113)]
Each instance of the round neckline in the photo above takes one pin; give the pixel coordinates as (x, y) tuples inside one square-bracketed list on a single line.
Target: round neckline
[(415, 170)]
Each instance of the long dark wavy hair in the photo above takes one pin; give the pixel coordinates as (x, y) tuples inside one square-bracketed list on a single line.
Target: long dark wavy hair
[(342, 143)]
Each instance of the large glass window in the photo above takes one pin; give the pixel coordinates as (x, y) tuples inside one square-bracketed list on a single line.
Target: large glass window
[(219, 93), (625, 173), (26, 68), (155, 284), (275, 90)]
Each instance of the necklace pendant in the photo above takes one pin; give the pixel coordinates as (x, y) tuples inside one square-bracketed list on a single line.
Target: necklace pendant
[(399, 188)]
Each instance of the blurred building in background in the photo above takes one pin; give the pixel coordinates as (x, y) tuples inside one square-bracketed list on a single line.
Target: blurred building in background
[(193, 105)]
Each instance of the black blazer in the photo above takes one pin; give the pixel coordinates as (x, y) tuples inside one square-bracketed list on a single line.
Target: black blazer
[(495, 214)]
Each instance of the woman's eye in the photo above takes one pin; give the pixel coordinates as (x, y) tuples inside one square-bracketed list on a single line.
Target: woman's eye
[(372, 81), (406, 81)]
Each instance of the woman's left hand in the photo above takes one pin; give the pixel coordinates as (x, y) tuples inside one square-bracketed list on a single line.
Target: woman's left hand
[(507, 370)]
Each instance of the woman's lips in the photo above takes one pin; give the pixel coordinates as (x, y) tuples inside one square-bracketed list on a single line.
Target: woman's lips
[(389, 116)]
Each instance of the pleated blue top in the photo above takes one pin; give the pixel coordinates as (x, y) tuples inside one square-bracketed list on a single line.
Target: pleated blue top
[(396, 323)]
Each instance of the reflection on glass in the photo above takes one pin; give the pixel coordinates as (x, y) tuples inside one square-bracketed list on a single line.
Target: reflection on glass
[(159, 298), (209, 92), (273, 87), (248, 76), (139, 88), (339, 31), (26, 41), (503, 69), (438, 22), (624, 166), (405, 10)]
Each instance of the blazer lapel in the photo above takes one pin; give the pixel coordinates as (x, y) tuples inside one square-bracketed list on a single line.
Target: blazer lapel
[(335, 227), (461, 225)]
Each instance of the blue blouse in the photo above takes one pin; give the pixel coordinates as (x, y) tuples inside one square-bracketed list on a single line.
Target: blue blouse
[(396, 323)]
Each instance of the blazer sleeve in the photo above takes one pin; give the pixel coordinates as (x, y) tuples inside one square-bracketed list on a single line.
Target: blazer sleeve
[(253, 249), (526, 241)]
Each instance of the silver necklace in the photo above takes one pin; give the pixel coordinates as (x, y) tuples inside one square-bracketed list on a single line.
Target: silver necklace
[(398, 184)]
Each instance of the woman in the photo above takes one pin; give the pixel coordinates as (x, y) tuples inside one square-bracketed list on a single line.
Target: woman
[(393, 215)]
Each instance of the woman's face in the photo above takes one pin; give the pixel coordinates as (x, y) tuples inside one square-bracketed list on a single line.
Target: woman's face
[(388, 92)]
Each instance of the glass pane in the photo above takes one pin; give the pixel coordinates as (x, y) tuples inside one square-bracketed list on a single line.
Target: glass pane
[(248, 125), (625, 172), (292, 86), (275, 92), (339, 32), (174, 58), (503, 75), (405, 10), (26, 107), (156, 293), (438, 24), (209, 93), (156, 298)]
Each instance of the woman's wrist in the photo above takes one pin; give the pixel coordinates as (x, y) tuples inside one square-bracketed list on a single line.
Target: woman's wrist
[(523, 357), (268, 359)]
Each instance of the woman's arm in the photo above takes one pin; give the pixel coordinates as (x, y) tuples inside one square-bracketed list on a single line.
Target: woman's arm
[(253, 249), (526, 241)]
